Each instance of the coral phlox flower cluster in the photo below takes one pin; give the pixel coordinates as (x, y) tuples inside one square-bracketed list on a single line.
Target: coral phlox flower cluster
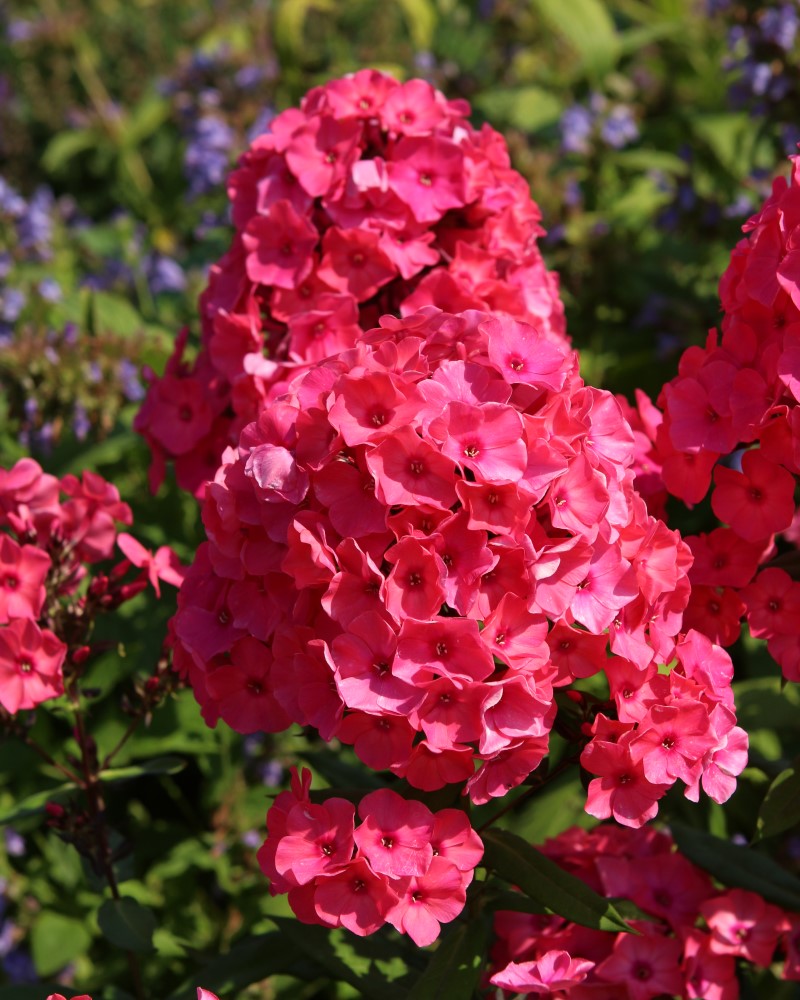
[(373, 197), (688, 948), (731, 419), (51, 530), (402, 864), (422, 538)]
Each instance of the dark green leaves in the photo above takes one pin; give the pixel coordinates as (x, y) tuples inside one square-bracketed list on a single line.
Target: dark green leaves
[(542, 880), (455, 969), (56, 940), (127, 924), (780, 809), (737, 866)]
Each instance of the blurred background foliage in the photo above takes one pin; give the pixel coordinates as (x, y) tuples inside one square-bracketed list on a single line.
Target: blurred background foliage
[(649, 130)]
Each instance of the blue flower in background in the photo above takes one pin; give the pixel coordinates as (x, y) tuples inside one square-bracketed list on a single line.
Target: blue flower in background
[(576, 129)]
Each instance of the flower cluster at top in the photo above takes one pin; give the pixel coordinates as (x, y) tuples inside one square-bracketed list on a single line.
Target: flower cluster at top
[(54, 530), (673, 954), (402, 865), (373, 198), (731, 415), (425, 535)]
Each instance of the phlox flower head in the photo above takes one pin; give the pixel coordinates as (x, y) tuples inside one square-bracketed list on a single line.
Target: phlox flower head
[(373, 197), (402, 864)]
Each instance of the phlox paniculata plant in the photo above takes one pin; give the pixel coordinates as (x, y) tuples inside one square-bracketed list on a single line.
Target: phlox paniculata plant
[(418, 544), (729, 423), (374, 197)]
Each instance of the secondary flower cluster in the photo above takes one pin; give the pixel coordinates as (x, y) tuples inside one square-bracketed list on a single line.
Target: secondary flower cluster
[(740, 391), (54, 530), (419, 540), (402, 865), (374, 197), (201, 995), (688, 948)]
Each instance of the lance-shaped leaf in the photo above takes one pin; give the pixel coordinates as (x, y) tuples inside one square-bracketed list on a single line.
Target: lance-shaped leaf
[(455, 969), (542, 880), (741, 867), (780, 809)]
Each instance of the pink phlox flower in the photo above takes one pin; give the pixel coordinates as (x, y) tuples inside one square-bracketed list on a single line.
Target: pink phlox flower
[(395, 834), (356, 898), (415, 585), (579, 499), (646, 964), (412, 108), (427, 173), (515, 708), (553, 971), (321, 151), (279, 246), (371, 405), (363, 657), (409, 470), (516, 636), (502, 510), (487, 440), (317, 839), (354, 262), (670, 740), (460, 382), (382, 741), (23, 571), (520, 352), (348, 492), (708, 976), (575, 653), (450, 713), (430, 768), (467, 559), (305, 686), (622, 789), (635, 690), (724, 761), (163, 565), (447, 647), (756, 502), (243, 690), (723, 559), (743, 924), (506, 769), (88, 517), (30, 665), (609, 584), (427, 901), (328, 328), (311, 559), (773, 603), (358, 587)]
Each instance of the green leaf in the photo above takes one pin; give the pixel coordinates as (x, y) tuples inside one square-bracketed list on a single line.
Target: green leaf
[(248, 961), (127, 924), (514, 860), (290, 19), (421, 19), (35, 803), (650, 159), (371, 965), (526, 108), (56, 940), (159, 765), (65, 146), (729, 137), (588, 29), (148, 115), (457, 965), (780, 809), (741, 867)]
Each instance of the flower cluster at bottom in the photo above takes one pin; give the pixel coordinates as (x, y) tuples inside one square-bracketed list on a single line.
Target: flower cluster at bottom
[(403, 864), (672, 954)]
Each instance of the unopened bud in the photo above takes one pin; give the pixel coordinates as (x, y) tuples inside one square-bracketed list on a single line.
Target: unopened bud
[(576, 696), (120, 569), (80, 655), (54, 810)]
